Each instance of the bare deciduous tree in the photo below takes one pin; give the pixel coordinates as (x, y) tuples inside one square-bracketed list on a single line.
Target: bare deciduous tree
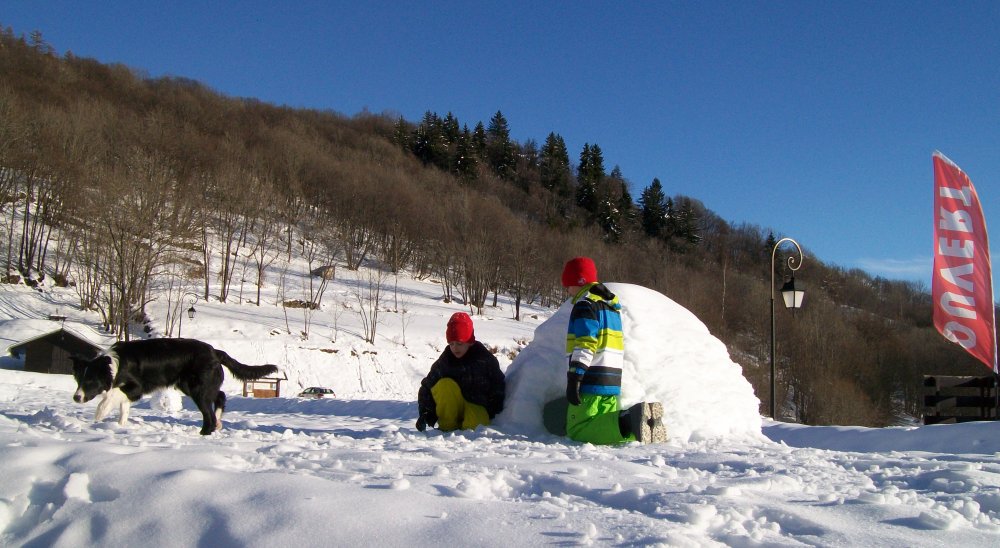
[(266, 235), (136, 231), (368, 292)]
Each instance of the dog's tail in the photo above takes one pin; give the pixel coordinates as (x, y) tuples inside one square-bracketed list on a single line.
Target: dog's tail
[(242, 371)]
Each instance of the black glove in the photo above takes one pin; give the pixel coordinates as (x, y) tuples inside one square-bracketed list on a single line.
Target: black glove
[(421, 423), (573, 387)]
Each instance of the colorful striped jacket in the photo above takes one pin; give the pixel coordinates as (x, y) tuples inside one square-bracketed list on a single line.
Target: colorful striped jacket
[(594, 341)]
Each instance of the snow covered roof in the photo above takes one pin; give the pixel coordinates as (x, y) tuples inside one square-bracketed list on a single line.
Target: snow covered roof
[(18, 332)]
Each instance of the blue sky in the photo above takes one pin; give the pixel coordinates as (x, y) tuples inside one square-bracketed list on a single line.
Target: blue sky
[(816, 119)]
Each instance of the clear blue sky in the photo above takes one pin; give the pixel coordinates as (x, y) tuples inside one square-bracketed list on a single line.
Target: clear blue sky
[(816, 119)]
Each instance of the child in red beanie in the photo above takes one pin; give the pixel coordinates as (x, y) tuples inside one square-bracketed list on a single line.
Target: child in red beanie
[(595, 347), (465, 387)]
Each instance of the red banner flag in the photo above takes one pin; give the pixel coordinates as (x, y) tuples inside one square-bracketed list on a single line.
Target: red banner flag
[(962, 285)]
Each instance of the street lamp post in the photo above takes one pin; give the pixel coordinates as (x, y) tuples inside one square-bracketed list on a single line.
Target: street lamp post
[(791, 296), (190, 311)]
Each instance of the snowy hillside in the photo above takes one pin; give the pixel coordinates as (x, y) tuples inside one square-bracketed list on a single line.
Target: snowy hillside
[(410, 334), (354, 470)]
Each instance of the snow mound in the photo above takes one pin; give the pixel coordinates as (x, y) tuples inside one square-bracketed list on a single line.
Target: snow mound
[(670, 357)]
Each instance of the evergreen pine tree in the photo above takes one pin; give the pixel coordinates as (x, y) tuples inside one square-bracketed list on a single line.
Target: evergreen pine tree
[(418, 142), (687, 224), (596, 166), (653, 209), (615, 205), (479, 141), (626, 207), (769, 244), (681, 231), (464, 162), (584, 186), (401, 133), (450, 129), (428, 142), (554, 170), (669, 220), (590, 175), (499, 148)]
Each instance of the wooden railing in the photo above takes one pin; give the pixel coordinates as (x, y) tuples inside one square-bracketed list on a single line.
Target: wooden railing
[(950, 399)]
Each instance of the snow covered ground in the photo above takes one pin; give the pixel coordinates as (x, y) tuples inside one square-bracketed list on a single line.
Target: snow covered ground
[(354, 471)]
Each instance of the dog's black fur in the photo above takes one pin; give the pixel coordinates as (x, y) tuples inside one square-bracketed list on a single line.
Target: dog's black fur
[(133, 368)]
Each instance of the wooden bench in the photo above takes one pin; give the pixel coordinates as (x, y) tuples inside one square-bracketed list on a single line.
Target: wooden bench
[(950, 399)]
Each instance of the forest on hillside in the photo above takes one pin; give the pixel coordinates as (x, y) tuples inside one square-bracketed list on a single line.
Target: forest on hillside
[(122, 185)]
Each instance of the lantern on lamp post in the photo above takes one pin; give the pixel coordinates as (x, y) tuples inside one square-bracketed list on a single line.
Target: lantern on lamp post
[(792, 296), (190, 312), (789, 294)]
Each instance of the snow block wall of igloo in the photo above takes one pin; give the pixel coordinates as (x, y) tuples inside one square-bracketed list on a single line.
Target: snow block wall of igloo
[(670, 357)]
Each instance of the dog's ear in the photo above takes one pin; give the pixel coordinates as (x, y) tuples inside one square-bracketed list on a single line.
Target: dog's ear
[(79, 364)]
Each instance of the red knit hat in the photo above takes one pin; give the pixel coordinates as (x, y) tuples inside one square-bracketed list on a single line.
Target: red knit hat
[(579, 271), (460, 328)]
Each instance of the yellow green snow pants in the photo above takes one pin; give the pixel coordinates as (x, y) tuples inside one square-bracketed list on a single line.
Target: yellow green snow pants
[(453, 411), (595, 421)]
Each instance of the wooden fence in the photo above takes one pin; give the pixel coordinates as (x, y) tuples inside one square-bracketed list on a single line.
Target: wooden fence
[(959, 399)]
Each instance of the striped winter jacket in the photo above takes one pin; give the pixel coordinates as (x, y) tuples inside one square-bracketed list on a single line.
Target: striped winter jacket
[(594, 342)]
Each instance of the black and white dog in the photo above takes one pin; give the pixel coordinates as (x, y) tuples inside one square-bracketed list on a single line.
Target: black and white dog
[(131, 369)]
